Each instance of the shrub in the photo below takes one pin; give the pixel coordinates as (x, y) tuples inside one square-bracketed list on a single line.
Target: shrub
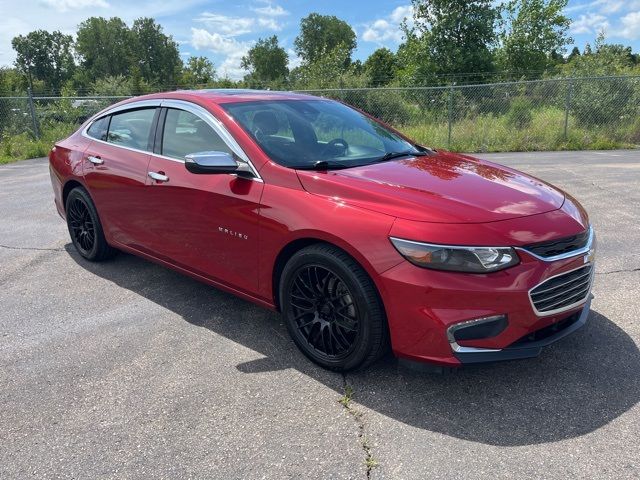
[(520, 112)]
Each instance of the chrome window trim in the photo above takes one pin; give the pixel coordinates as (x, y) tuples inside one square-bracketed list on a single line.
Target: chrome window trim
[(459, 348), (190, 107), (573, 253), (574, 304)]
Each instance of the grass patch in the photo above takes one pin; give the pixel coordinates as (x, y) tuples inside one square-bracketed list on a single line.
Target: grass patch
[(543, 130), (519, 129), (24, 145)]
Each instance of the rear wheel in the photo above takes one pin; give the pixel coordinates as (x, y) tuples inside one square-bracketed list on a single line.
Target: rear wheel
[(85, 228), (332, 309)]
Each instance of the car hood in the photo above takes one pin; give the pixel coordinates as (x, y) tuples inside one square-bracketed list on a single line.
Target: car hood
[(442, 188)]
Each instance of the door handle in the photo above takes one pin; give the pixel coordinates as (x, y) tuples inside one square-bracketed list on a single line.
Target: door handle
[(95, 160), (158, 177)]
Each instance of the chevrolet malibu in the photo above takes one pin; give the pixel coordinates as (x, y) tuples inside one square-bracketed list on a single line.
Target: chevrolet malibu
[(362, 239)]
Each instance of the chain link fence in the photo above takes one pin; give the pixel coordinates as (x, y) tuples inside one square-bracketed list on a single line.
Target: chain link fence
[(568, 113)]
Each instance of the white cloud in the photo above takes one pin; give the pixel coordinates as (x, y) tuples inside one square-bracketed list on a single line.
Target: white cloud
[(590, 23), (270, 10), (66, 5), (294, 60), (270, 23), (388, 29), (236, 26), (233, 50), (204, 40), (230, 67), (610, 6), (402, 12), (630, 26), (604, 6), (232, 26)]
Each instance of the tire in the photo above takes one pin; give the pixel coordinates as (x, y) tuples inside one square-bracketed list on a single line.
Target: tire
[(85, 228), (332, 309)]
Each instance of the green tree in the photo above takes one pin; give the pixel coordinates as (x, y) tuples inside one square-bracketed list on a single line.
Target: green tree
[(381, 67), (413, 59), (605, 101), (574, 53), (535, 36), (113, 86), (266, 62), (198, 71), (604, 59), (46, 56), (459, 35), (327, 71), (320, 35), (155, 54), (11, 81), (105, 48)]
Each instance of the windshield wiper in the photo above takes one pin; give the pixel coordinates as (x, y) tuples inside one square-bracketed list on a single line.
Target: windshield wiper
[(322, 165), (391, 155)]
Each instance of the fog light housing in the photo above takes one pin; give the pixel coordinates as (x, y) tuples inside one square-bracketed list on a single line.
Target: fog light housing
[(476, 329)]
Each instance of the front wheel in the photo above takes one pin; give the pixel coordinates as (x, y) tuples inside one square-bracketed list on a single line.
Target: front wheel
[(85, 228), (332, 309)]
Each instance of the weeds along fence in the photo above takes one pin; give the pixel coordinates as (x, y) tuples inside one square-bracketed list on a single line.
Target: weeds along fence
[(567, 113)]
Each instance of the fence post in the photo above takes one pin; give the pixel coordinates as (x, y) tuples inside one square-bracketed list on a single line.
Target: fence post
[(567, 107), (34, 119), (450, 117)]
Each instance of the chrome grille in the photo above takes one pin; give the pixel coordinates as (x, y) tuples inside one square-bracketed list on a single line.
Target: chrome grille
[(563, 291), (559, 246)]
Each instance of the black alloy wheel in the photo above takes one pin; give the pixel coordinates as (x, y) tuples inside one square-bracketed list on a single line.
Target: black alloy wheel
[(81, 226), (332, 309), (324, 311), (85, 228)]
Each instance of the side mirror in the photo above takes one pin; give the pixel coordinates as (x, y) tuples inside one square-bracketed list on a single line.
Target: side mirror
[(210, 162)]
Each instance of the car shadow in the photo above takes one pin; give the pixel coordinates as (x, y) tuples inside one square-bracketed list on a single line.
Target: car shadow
[(575, 387)]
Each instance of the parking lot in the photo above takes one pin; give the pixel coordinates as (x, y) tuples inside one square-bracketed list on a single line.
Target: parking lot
[(127, 369)]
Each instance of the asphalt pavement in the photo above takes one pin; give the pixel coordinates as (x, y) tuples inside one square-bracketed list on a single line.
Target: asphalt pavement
[(128, 370)]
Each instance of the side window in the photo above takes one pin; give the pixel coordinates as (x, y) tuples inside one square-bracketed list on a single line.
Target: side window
[(98, 129), (186, 133), (131, 128)]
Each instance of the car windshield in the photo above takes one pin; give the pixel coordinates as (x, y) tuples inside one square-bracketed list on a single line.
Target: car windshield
[(317, 133)]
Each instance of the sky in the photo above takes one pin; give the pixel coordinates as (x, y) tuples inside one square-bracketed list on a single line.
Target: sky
[(224, 30)]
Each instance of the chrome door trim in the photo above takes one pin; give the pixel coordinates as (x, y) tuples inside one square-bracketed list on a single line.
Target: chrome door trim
[(191, 107), (158, 177)]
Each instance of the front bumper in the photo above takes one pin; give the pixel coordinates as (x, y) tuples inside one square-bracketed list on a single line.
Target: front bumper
[(530, 345), (422, 305)]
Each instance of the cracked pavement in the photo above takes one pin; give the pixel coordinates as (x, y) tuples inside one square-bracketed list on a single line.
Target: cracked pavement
[(127, 369)]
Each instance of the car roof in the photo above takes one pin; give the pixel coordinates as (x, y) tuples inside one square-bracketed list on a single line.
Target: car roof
[(228, 95)]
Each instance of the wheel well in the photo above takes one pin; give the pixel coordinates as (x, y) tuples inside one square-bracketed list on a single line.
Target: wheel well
[(70, 185)]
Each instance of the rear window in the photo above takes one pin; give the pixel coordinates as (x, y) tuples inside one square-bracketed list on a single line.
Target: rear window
[(99, 128), (131, 128)]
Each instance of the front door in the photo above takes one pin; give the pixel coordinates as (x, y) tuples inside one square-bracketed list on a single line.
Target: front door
[(205, 223)]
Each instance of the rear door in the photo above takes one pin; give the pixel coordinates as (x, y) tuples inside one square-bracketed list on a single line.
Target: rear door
[(115, 171), (205, 223)]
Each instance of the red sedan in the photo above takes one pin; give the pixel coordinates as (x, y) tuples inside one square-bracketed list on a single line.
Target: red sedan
[(361, 238)]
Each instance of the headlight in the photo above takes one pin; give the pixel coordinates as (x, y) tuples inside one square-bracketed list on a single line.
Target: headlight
[(457, 259)]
